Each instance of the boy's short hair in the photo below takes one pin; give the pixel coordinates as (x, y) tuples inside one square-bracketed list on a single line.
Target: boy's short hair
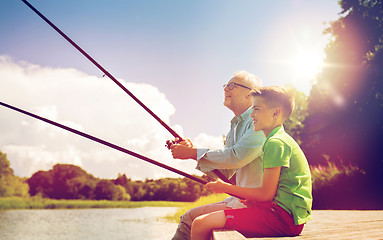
[(277, 96)]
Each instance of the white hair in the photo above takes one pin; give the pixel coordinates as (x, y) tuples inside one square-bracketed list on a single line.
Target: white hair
[(249, 79)]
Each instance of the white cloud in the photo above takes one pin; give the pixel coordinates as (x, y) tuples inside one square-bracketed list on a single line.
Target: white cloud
[(26, 160), (207, 141), (90, 104)]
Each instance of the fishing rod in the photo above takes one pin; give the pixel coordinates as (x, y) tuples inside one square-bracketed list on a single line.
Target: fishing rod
[(168, 142), (103, 70), (111, 145)]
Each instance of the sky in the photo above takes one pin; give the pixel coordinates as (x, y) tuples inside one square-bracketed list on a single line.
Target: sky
[(172, 55)]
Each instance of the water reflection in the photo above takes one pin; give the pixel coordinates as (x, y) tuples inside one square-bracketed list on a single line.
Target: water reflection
[(110, 224)]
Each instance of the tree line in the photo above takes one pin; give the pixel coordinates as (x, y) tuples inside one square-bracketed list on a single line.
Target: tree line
[(66, 181)]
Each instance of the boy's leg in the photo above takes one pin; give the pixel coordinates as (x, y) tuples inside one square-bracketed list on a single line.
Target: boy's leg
[(184, 227), (262, 220), (203, 225)]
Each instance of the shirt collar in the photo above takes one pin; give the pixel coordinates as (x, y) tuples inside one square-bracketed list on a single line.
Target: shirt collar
[(244, 115), (273, 132)]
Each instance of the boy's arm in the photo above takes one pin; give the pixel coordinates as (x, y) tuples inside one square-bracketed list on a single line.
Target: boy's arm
[(266, 193)]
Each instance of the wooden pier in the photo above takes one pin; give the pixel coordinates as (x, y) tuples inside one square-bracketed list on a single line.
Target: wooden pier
[(328, 224)]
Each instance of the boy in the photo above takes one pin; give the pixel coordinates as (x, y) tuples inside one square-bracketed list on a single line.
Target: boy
[(282, 205), (242, 153)]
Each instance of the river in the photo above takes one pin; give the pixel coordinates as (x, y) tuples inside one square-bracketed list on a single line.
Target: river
[(72, 224)]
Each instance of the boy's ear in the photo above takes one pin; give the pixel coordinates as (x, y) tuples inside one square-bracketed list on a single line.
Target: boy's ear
[(277, 112)]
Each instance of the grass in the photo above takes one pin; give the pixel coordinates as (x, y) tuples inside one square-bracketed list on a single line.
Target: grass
[(200, 202), (324, 176), (42, 203)]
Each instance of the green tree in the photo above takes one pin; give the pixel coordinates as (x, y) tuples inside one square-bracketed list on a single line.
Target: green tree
[(63, 181), (10, 185), (345, 123), (41, 183), (107, 190), (69, 180), (126, 183), (81, 187), (294, 125)]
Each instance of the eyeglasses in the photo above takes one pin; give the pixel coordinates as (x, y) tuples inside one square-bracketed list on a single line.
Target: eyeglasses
[(232, 85)]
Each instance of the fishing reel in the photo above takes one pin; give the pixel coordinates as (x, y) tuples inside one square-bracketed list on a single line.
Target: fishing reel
[(169, 143)]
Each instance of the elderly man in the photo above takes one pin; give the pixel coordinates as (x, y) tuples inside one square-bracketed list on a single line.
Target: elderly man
[(240, 156)]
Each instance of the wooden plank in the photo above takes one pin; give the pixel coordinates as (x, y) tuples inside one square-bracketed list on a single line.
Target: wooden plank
[(337, 224), (225, 234)]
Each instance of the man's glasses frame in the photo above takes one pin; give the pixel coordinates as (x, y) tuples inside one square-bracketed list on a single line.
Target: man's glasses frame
[(232, 85)]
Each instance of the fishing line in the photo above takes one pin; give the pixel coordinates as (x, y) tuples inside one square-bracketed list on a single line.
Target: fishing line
[(176, 135)]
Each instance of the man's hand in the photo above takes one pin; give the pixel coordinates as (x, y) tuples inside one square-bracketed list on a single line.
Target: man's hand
[(184, 150), (186, 142)]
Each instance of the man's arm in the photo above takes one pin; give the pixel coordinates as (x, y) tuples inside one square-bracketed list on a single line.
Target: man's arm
[(248, 148), (245, 150)]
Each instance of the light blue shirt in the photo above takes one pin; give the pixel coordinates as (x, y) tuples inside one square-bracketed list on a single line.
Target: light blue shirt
[(242, 153)]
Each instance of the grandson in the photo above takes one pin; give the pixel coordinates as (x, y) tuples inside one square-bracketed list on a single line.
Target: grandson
[(282, 205)]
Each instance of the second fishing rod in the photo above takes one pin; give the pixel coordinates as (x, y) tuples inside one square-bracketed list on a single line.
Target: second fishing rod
[(175, 134), (108, 144)]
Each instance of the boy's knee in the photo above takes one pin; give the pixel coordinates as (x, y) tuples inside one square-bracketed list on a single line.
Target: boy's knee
[(198, 222)]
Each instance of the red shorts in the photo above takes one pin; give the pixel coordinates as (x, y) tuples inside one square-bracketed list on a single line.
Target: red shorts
[(262, 220)]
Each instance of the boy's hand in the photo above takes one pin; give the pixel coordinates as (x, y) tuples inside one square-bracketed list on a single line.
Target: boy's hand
[(217, 186), (248, 203)]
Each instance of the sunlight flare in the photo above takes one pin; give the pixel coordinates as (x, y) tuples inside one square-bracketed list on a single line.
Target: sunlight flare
[(308, 63)]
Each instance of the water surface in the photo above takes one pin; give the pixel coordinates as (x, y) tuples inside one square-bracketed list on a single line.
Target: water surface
[(73, 224)]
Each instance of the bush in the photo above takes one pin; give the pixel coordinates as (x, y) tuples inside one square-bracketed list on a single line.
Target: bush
[(342, 187)]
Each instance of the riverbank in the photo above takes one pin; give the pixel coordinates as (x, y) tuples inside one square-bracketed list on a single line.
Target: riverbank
[(44, 203)]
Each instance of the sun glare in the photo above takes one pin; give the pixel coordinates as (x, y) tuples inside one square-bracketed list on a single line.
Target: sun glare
[(307, 64), (301, 56)]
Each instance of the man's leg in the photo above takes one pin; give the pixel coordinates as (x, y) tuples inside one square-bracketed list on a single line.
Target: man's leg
[(184, 227)]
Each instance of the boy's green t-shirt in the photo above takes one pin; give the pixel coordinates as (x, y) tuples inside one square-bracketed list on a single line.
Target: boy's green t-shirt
[(294, 187)]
